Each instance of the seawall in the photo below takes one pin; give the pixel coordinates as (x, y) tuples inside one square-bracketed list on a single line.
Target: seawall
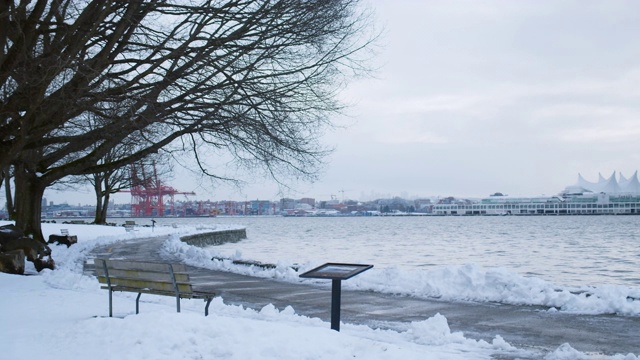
[(215, 237)]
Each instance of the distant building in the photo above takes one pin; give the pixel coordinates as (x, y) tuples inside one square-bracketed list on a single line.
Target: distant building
[(423, 205), (287, 204), (261, 207), (309, 201), (607, 196)]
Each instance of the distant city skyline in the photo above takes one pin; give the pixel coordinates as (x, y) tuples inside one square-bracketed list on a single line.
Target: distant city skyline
[(473, 98), (123, 198)]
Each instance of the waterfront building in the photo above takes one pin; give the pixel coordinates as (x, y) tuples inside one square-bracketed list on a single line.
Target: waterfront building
[(287, 204), (608, 196), (261, 207)]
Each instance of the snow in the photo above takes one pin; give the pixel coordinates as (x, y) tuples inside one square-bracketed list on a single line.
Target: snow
[(61, 314), (466, 282)]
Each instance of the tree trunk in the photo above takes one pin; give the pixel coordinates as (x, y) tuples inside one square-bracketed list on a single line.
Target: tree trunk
[(6, 172), (97, 188), (102, 197), (29, 204), (105, 206)]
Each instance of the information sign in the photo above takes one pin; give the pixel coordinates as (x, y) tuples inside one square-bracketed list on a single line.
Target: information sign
[(336, 272)]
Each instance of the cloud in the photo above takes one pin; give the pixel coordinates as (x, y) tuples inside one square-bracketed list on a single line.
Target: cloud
[(406, 136), (626, 132), (455, 103)]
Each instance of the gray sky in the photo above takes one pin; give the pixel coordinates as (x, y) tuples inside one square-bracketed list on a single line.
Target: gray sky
[(476, 97)]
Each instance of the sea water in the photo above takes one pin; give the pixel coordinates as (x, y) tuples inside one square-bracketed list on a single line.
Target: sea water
[(564, 250)]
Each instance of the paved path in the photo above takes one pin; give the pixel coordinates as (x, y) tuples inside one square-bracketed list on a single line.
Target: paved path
[(527, 327)]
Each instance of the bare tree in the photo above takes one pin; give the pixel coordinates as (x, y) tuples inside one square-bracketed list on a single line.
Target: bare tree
[(106, 182), (255, 79), (109, 179), (112, 180)]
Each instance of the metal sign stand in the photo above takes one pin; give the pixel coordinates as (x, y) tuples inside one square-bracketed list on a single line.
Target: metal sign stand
[(336, 272)]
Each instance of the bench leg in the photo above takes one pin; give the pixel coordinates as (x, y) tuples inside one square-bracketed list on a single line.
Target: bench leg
[(206, 308), (110, 303), (137, 303), (178, 303)]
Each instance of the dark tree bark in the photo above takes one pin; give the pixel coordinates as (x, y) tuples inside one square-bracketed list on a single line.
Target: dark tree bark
[(101, 207), (105, 207), (6, 175), (29, 202)]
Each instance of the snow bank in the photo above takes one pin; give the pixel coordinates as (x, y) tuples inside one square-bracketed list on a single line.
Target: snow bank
[(452, 283), (61, 315)]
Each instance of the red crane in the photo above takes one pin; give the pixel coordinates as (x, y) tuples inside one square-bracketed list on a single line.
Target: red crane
[(148, 192)]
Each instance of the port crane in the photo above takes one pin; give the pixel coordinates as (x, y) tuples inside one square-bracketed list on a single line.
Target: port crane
[(149, 193)]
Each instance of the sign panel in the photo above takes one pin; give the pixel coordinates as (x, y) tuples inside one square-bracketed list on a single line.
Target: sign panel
[(336, 271)]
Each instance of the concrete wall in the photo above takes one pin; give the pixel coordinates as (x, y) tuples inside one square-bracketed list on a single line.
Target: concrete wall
[(215, 237)]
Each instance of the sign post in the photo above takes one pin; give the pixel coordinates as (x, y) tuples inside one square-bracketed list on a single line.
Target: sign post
[(336, 272)]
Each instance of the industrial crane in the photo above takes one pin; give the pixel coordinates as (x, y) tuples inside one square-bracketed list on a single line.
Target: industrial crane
[(148, 193)]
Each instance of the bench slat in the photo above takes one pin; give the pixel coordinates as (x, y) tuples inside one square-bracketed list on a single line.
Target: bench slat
[(146, 284), (139, 265), (144, 275)]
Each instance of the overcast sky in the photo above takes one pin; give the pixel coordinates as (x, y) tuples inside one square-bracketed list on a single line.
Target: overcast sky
[(478, 97)]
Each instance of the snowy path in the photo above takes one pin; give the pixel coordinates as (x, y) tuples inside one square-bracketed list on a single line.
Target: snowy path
[(521, 326)]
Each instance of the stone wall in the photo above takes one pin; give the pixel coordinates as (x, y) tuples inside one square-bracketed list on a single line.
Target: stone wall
[(215, 237)]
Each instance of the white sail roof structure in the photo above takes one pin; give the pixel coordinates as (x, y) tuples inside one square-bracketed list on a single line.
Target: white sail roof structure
[(582, 183), (623, 180), (610, 185), (601, 178), (632, 185)]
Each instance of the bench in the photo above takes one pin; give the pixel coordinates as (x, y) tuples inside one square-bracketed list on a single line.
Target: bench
[(149, 278), (128, 225)]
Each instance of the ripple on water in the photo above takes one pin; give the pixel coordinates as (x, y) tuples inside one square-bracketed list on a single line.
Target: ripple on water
[(565, 250)]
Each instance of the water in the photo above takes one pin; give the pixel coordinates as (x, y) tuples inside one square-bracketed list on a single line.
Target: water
[(565, 250)]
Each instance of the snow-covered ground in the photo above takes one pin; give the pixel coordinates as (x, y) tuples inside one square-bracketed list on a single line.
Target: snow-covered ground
[(61, 314)]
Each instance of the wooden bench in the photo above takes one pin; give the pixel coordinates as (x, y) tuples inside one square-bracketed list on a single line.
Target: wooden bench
[(149, 278), (128, 225)]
